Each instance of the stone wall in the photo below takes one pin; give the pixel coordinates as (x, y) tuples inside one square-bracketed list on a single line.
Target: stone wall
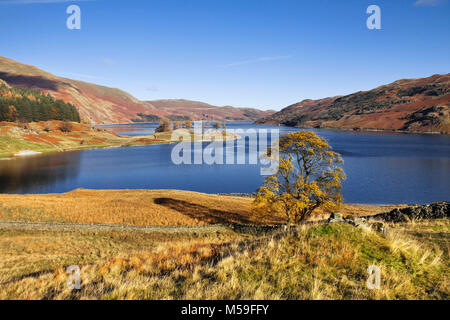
[(432, 211)]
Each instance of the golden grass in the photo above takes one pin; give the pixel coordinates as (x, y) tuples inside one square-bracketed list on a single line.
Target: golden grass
[(144, 208), (318, 262), (129, 207)]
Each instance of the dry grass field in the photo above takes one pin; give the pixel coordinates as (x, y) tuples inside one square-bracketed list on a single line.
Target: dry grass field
[(316, 262), (323, 261), (145, 208)]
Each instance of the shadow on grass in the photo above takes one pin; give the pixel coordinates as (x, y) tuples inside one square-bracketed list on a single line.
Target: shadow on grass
[(38, 82), (205, 214)]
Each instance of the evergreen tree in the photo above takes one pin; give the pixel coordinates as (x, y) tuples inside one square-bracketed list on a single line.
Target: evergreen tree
[(33, 105)]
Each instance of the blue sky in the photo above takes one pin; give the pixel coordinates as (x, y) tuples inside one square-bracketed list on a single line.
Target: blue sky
[(246, 53)]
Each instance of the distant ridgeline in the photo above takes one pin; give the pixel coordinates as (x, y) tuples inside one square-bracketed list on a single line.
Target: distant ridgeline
[(33, 105), (146, 118), (155, 118)]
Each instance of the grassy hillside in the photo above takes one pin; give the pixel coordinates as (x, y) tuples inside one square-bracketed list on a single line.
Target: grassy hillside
[(322, 261), (316, 262)]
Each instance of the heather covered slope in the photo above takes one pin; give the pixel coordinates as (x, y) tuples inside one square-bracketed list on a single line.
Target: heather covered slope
[(57, 136), (410, 105), (100, 104), (96, 104)]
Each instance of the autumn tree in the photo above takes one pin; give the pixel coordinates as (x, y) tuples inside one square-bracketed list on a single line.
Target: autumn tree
[(12, 113), (163, 126), (308, 177), (23, 123), (217, 125), (177, 125), (66, 126), (188, 124)]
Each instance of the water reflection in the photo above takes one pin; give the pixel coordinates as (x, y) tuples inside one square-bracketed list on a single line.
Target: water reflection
[(37, 174)]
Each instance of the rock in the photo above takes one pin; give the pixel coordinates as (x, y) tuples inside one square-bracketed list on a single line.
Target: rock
[(25, 153), (360, 221), (257, 229), (355, 220), (336, 217), (379, 227)]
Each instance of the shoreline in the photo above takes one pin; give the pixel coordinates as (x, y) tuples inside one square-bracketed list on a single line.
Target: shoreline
[(351, 130), (231, 195), (380, 131), (359, 130), (19, 143), (219, 194)]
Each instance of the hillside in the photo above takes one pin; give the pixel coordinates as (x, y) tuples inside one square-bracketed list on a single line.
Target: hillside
[(100, 104), (56, 136), (178, 109), (410, 105)]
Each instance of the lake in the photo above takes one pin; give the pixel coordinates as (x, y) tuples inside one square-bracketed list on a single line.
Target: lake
[(381, 168)]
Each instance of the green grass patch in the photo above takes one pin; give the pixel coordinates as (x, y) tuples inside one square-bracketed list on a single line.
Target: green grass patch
[(10, 145)]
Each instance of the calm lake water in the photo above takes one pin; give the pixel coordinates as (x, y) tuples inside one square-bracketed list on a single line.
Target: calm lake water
[(381, 168)]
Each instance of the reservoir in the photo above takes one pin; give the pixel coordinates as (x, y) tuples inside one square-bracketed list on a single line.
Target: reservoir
[(381, 168)]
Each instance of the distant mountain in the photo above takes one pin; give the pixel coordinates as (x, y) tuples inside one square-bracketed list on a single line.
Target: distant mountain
[(410, 105), (100, 104), (179, 109)]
